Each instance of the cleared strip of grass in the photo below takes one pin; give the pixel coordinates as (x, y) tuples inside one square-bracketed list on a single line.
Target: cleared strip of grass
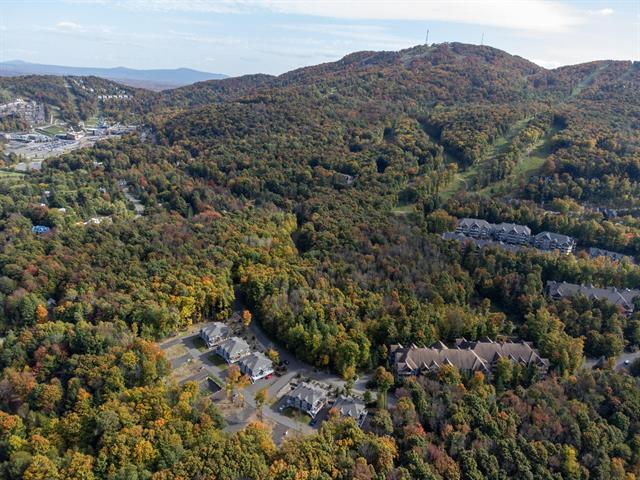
[(404, 209), (462, 180), (8, 174), (52, 130)]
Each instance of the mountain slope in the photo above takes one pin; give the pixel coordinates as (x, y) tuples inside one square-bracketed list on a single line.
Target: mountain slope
[(315, 202), (75, 99), (158, 79)]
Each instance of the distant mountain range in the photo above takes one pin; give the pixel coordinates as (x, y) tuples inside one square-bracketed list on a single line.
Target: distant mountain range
[(152, 79)]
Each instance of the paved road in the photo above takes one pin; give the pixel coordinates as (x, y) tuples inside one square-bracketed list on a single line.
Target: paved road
[(208, 368), (620, 361), (296, 368), (137, 204)]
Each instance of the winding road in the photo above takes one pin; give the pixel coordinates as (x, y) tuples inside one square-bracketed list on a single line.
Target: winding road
[(283, 425)]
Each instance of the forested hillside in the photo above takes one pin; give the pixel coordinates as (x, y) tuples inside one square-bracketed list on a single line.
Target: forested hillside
[(75, 99), (318, 199)]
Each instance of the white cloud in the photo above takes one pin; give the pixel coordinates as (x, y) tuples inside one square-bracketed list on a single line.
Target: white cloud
[(603, 12), (532, 15), (70, 26), (191, 37), (373, 35), (73, 28)]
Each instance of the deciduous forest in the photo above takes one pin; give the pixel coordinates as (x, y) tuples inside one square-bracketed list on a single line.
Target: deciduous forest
[(318, 199)]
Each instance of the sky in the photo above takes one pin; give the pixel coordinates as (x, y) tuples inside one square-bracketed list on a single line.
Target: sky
[(237, 37)]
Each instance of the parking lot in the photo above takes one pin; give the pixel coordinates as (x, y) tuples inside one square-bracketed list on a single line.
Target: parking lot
[(191, 360)]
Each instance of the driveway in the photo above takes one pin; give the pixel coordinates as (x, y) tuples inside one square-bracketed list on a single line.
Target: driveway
[(275, 385), (208, 368)]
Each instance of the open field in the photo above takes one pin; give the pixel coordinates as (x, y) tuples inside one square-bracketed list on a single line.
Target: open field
[(175, 351), (51, 130)]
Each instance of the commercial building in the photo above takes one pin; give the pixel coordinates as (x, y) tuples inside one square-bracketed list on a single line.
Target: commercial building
[(550, 241), (624, 298), (468, 357), (474, 228), (503, 234), (615, 256)]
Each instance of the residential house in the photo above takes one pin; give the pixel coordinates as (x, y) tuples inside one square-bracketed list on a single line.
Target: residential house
[(624, 298), (256, 366), (214, 333), (233, 349), (307, 398), (351, 407), (554, 241), (481, 356), (475, 228)]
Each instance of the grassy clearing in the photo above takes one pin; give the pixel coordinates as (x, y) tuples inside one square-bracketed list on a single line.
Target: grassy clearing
[(10, 174), (176, 351), (586, 81), (297, 415), (463, 180), (527, 166), (92, 122), (404, 209), (217, 360), (199, 344), (186, 370), (52, 130)]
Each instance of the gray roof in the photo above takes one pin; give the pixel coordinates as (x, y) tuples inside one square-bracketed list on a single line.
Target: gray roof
[(234, 346), (471, 222), (215, 329), (623, 297), (599, 252), (475, 356), (512, 228), (555, 237), (309, 393), (433, 358), (350, 407), (455, 236), (256, 362), (480, 243), (490, 350)]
